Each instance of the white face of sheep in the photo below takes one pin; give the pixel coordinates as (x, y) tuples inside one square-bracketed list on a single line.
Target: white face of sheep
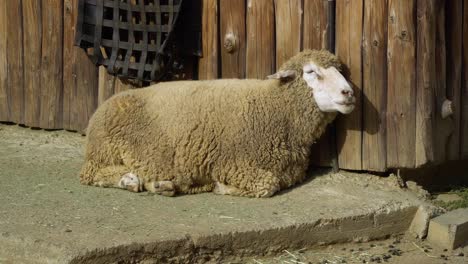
[(331, 91)]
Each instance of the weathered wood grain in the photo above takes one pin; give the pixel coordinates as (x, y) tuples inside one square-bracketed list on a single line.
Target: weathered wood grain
[(106, 85), (288, 29), (260, 61), (32, 39), (464, 117), (349, 25), (232, 37), (80, 88), (401, 101), (15, 61), (426, 81), (70, 99), (51, 62), (315, 24), (4, 102), (208, 64), (454, 31), (374, 45), (443, 127)]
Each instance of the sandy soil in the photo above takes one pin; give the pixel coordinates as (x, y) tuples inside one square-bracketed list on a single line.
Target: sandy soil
[(400, 250)]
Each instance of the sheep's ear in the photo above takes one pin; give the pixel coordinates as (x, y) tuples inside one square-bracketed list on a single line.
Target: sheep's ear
[(281, 75)]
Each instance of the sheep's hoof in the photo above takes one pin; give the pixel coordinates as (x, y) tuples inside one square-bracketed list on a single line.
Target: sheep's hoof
[(165, 188), (223, 189), (130, 182)]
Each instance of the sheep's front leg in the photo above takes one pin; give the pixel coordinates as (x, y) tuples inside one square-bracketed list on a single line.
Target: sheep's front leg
[(165, 188), (117, 176)]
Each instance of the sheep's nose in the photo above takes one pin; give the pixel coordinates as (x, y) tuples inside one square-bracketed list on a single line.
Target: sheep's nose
[(347, 92)]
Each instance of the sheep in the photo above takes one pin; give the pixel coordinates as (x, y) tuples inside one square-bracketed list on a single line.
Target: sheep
[(229, 136)]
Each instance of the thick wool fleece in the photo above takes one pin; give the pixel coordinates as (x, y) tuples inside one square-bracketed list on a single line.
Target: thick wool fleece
[(254, 135)]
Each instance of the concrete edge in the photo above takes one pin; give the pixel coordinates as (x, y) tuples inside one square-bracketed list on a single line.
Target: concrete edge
[(221, 247)]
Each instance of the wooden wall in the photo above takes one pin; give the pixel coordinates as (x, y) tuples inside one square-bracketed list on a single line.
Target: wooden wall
[(404, 58)]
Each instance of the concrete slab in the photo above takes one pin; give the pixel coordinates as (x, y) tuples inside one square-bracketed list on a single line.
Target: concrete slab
[(449, 230), (46, 216)]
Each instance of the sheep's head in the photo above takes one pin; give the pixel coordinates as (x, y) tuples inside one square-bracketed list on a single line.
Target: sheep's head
[(320, 72)]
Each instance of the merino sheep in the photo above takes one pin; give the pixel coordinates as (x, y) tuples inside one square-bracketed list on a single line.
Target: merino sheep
[(239, 137)]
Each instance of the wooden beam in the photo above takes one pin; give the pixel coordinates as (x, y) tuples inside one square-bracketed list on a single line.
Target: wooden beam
[(208, 64), (4, 102), (401, 101), (374, 45), (426, 81), (464, 107), (232, 37), (15, 61), (51, 62), (32, 39), (454, 31), (348, 48), (260, 38), (288, 29)]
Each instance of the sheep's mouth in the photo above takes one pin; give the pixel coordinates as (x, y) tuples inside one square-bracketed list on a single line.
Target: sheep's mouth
[(344, 103)]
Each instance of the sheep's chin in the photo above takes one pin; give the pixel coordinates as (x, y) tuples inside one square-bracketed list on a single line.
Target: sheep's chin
[(345, 109)]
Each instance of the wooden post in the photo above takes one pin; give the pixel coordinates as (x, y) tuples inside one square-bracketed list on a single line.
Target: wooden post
[(454, 24), (208, 64), (32, 39), (374, 45), (401, 100), (232, 34), (80, 87), (15, 61), (260, 61), (348, 48), (464, 107), (51, 62), (4, 103), (426, 81), (442, 127), (315, 24), (288, 29)]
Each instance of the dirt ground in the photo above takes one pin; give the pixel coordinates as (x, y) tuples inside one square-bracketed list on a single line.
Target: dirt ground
[(46, 211), (398, 250)]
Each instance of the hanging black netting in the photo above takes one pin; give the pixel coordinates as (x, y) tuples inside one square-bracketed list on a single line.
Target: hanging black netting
[(133, 39)]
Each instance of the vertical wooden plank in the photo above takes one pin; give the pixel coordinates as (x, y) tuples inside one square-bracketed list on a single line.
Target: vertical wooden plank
[(208, 64), (106, 85), (443, 127), (70, 100), (87, 90), (15, 61), (232, 35), (401, 103), (4, 103), (426, 81), (454, 31), (464, 117), (80, 76), (348, 48), (51, 72), (32, 38), (260, 38), (288, 29), (315, 36), (315, 24), (374, 45)]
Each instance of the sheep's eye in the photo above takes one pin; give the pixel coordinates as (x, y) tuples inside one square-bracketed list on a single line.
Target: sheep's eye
[(309, 71)]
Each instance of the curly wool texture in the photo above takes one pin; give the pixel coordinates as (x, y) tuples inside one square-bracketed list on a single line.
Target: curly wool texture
[(254, 135)]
